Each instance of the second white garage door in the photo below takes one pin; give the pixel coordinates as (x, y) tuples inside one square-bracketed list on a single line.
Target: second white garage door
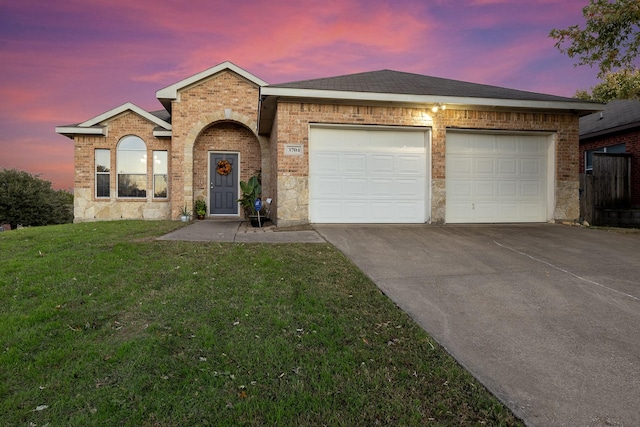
[(368, 175), (497, 178)]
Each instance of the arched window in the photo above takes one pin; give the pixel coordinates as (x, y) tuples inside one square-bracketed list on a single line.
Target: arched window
[(131, 163)]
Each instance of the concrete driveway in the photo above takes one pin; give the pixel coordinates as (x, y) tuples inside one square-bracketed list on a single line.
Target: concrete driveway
[(546, 316)]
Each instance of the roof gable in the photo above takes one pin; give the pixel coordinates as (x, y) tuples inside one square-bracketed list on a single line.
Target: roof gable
[(123, 108), (94, 126), (617, 115), (169, 93)]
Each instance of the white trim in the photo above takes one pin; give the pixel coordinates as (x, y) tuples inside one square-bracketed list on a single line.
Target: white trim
[(399, 128), (501, 131), (162, 133), (449, 101), (552, 140), (75, 130), (208, 191), (128, 106), (171, 92)]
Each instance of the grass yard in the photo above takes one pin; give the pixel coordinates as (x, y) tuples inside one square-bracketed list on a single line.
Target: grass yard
[(102, 325)]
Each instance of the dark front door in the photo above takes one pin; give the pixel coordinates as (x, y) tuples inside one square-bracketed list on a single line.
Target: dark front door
[(223, 189)]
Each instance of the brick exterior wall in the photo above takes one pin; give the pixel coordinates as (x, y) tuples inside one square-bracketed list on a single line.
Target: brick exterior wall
[(224, 136), (631, 139), (224, 97), (220, 114), (293, 121), (86, 206)]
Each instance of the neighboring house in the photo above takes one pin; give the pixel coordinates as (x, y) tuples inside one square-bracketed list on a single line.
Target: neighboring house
[(614, 130), (373, 147)]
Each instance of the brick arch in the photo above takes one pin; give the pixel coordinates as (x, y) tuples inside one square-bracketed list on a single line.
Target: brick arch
[(226, 115), (193, 188)]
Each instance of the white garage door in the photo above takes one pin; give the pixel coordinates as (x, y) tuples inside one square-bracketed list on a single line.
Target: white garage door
[(496, 178), (368, 175)]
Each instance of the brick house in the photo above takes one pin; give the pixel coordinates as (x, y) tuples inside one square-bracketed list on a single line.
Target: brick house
[(374, 147), (614, 130)]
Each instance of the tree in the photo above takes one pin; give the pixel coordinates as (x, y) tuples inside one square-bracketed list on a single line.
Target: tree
[(624, 84), (610, 39), (28, 200)]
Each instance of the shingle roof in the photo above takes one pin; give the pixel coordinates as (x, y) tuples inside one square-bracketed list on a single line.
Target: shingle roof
[(162, 115), (617, 115), (397, 82)]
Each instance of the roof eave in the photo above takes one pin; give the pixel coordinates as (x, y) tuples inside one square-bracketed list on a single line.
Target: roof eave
[(431, 99), (70, 131), (268, 93), (608, 131)]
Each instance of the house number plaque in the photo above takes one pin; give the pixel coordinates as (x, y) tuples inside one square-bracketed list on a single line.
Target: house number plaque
[(293, 149)]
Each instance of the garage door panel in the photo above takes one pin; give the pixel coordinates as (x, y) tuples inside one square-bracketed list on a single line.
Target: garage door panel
[(485, 189), (381, 188), (508, 166), (331, 210), (506, 145), (485, 211), (326, 187), (381, 175), (381, 211), (408, 188), (460, 166), (530, 189), (459, 189), (405, 211), (506, 183), (353, 163), (531, 166), (507, 210), (483, 166), (532, 147), (411, 165), (326, 163), (507, 189), (354, 187), (381, 164), (356, 209)]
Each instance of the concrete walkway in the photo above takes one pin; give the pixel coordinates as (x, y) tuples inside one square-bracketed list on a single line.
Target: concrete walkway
[(240, 231), (546, 316)]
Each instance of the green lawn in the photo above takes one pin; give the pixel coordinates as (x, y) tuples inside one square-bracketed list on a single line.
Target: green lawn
[(100, 324)]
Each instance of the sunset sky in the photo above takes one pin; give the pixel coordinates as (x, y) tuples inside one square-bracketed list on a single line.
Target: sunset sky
[(66, 61)]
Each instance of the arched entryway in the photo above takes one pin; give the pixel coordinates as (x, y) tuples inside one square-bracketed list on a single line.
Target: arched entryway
[(238, 145)]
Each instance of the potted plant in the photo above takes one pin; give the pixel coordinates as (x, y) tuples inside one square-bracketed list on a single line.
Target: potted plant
[(250, 192), (185, 214), (201, 209)]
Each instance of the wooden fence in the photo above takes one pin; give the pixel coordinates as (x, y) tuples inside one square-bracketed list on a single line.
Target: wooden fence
[(607, 187)]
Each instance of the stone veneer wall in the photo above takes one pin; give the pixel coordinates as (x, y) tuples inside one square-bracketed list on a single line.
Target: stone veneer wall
[(89, 208), (293, 125), (224, 97)]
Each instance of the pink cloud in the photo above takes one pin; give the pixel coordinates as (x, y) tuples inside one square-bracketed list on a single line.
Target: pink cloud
[(70, 60)]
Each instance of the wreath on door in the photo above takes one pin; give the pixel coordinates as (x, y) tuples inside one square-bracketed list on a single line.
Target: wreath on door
[(223, 167)]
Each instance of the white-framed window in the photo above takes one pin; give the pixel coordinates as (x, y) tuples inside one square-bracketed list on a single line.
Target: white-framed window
[(131, 164), (103, 172), (160, 172), (588, 155)]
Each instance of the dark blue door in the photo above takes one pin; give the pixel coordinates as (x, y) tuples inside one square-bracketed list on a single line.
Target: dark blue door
[(223, 184)]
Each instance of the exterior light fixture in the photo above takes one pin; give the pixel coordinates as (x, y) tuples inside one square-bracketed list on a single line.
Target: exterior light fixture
[(438, 107)]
